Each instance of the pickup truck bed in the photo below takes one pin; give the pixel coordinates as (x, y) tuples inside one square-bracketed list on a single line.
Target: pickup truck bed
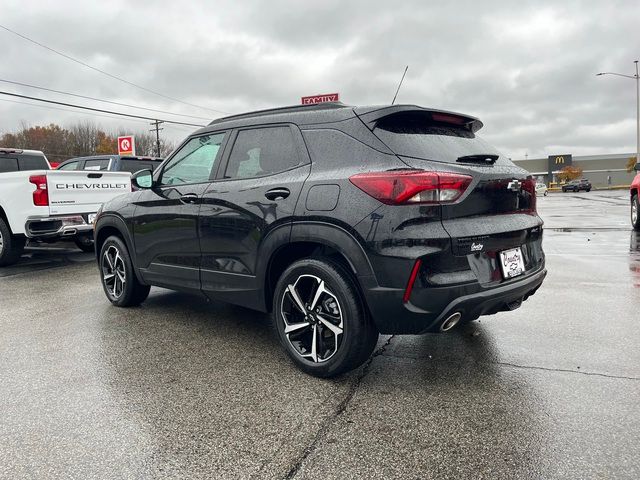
[(50, 204)]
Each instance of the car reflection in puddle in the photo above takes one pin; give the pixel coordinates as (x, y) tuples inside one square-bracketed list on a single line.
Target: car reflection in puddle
[(634, 257)]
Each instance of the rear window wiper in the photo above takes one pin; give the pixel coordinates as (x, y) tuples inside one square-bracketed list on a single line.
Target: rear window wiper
[(481, 158)]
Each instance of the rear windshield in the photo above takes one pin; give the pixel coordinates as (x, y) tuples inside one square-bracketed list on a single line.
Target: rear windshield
[(134, 166), (413, 134), (8, 165), (32, 162)]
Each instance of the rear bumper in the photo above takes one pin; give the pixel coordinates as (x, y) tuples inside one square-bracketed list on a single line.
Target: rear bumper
[(392, 316), (53, 227)]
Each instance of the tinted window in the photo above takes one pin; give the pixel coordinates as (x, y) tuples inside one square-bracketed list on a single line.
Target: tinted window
[(137, 165), (32, 162), (194, 162), (8, 165), (262, 151), (414, 134), (68, 166), (100, 164)]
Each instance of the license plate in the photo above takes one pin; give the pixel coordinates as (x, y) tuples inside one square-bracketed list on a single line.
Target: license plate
[(512, 262), (91, 217)]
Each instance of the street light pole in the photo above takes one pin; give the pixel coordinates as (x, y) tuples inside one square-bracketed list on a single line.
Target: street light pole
[(636, 77)]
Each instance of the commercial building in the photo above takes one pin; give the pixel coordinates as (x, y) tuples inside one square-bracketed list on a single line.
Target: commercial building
[(601, 170)]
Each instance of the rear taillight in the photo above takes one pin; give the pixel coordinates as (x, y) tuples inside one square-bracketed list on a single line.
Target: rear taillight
[(402, 187), (529, 186), (40, 194)]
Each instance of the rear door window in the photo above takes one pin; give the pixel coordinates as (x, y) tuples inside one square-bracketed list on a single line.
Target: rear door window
[(32, 162), (8, 165), (415, 134), (97, 164), (262, 151), (133, 166)]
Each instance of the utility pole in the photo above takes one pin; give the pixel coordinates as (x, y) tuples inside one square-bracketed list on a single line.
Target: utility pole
[(156, 124), (635, 77)]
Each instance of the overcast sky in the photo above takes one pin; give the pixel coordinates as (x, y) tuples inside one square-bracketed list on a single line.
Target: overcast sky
[(527, 69)]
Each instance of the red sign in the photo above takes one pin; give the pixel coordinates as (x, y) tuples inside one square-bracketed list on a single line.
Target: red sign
[(127, 145), (326, 97)]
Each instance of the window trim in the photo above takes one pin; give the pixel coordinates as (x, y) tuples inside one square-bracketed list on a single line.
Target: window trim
[(159, 171), (297, 141)]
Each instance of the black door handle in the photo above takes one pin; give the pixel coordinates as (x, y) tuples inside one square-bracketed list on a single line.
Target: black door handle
[(189, 198), (277, 193)]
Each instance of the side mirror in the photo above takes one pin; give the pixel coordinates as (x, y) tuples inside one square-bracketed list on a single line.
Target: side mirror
[(142, 179)]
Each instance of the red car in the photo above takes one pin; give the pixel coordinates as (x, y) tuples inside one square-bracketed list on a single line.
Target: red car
[(635, 199)]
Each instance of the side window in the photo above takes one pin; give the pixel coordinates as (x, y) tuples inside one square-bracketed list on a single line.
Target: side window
[(69, 166), (194, 162), (32, 162), (8, 165), (134, 166), (262, 151), (98, 164)]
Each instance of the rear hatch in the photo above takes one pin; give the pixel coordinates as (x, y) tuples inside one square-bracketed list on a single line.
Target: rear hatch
[(83, 191), (497, 211)]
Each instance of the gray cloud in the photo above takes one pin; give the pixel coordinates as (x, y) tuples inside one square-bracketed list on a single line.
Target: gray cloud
[(527, 69)]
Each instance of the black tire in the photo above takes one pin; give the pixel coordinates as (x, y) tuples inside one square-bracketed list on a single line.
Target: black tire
[(564, 190), (11, 246), (545, 193), (342, 352), (635, 224), (85, 243), (115, 264)]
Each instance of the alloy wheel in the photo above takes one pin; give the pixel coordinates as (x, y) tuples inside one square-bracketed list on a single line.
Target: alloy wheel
[(1, 243), (313, 320), (114, 274), (634, 212)]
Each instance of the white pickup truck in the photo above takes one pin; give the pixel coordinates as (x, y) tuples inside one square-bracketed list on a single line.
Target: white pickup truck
[(37, 203)]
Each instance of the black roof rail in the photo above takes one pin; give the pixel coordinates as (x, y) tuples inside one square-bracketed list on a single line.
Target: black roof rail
[(289, 109)]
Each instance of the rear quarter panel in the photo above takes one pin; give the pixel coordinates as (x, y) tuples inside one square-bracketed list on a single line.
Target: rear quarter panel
[(16, 199), (635, 185)]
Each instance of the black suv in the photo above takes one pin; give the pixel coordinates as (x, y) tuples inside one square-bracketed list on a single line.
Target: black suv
[(343, 222), (577, 185)]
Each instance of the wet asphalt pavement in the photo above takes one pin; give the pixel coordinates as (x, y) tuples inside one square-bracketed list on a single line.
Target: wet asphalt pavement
[(181, 388)]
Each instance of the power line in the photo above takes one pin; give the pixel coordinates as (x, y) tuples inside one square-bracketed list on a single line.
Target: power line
[(178, 127), (97, 109), (100, 100), (68, 57), (67, 110)]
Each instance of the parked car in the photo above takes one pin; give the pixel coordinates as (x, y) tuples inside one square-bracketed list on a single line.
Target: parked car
[(635, 199), (111, 163), (541, 189), (577, 185), (343, 222), (42, 204)]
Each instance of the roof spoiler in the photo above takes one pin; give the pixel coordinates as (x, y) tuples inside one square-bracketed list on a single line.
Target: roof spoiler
[(371, 115)]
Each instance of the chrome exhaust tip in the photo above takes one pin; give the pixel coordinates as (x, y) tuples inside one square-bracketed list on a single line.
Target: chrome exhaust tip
[(450, 322)]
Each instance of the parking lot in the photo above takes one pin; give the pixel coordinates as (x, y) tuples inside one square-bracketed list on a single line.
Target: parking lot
[(183, 388)]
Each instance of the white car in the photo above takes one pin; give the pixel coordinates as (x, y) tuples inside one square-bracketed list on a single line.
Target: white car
[(43, 204), (541, 189)]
